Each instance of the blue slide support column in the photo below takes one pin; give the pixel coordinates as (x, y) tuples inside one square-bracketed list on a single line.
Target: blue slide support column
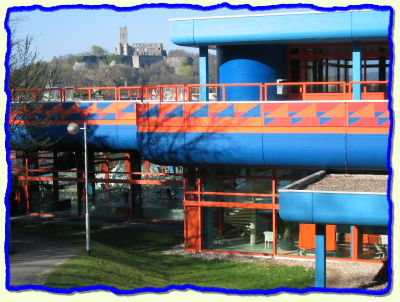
[(356, 58), (320, 255), (203, 72)]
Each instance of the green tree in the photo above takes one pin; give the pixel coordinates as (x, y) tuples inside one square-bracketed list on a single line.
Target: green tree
[(186, 70), (97, 51)]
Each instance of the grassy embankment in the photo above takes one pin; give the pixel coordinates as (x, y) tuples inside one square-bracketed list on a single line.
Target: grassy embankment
[(130, 259)]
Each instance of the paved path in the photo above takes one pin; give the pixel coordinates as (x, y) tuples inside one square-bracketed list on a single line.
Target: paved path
[(33, 257)]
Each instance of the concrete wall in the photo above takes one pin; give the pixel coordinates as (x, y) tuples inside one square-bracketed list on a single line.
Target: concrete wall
[(139, 61)]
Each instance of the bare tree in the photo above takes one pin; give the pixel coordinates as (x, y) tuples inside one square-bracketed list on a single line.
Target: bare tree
[(27, 71), (102, 75)]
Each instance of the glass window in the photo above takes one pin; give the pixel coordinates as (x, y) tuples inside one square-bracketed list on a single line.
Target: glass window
[(158, 169), (374, 242), (162, 202), (237, 230), (292, 173), (299, 239), (232, 198), (67, 203), (46, 198), (109, 200), (238, 185), (333, 63)]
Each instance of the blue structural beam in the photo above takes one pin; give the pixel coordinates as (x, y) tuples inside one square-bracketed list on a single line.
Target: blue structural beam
[(356, 58), (203, 72), (295, 27), (320, 255)]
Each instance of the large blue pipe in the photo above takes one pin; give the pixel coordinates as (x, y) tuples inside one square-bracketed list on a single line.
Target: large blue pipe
[(300, 150), (251, 64), (100, 137)]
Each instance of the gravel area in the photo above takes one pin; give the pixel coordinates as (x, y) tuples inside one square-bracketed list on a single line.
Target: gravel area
[(340, 274), (351, 183)]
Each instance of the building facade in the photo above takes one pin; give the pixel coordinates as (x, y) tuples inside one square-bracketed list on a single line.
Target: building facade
[(297, 93), (143, 54), (146, 54)]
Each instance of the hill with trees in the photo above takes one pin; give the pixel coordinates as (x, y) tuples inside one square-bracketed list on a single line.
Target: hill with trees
[(100, 69)]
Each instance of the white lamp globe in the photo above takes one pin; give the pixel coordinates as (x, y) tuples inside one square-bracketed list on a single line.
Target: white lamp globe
[(73, 128)]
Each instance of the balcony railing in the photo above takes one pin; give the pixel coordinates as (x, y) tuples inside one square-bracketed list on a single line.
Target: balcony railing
[(370, 90)]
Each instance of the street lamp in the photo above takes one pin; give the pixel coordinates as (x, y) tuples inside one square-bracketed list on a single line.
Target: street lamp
[(73, 128)]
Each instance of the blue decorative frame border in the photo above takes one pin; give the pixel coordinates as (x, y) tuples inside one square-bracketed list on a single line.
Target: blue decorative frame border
[(189, 286)]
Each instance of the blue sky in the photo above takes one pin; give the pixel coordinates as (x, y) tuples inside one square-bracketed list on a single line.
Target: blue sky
[(72, 31)]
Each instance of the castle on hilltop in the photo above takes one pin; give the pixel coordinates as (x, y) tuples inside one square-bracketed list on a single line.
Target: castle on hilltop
[(145, 54)]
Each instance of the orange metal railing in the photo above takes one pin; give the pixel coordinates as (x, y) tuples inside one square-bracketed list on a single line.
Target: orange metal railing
[(376, 90)]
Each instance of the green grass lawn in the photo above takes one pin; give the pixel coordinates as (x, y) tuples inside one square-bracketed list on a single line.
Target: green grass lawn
[(130, 259)]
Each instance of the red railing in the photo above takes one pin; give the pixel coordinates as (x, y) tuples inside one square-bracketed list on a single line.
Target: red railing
[(374, 90)]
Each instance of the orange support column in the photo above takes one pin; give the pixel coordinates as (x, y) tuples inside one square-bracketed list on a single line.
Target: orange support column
[(355, 242), (192, 228), (147, 169), (307, 237), (192, 214)]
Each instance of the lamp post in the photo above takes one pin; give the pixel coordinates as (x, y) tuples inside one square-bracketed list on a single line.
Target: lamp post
[(73, 128)]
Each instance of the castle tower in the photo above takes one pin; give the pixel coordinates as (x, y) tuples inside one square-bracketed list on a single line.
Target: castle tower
[(123, 35), (123, 47)]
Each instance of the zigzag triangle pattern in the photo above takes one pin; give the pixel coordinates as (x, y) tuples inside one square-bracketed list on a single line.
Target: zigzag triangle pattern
[(84, 105), (103, 105), (353, 120), (108, 116), (152, 112), (176, 112), (253, 112), (382, 120), (268, 120), (324, 120), (202, 112), (129, 109), (296, 120), (367, 110), (227, 112)]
